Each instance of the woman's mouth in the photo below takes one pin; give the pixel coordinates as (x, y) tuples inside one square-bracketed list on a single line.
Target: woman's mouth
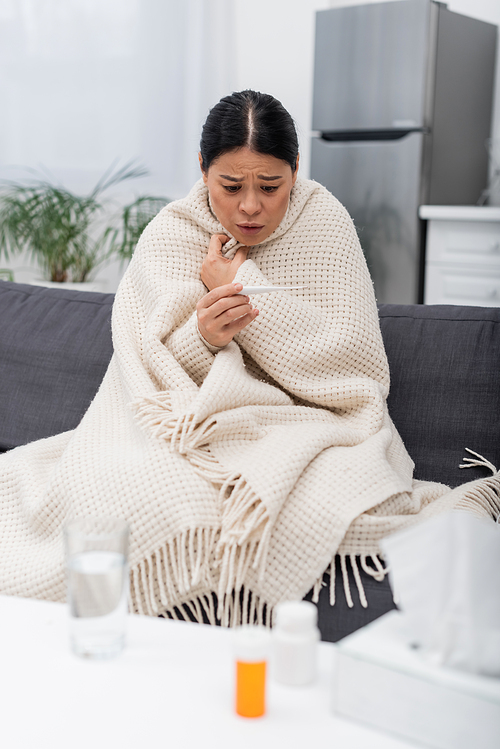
[(250, 228)]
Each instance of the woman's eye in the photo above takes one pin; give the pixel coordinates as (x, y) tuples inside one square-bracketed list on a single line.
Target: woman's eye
[(231, 188), (269, 188)]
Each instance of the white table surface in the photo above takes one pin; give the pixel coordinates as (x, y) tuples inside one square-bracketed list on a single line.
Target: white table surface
[(172, 687)]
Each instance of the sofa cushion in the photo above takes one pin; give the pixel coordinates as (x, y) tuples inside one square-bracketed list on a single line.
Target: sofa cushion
[(445, 385), (55, 346)]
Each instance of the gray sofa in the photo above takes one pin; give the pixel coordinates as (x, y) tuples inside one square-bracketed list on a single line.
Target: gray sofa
[(55, 346)]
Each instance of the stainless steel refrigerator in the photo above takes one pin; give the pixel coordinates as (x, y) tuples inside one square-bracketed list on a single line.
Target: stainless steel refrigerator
[(402, 115)]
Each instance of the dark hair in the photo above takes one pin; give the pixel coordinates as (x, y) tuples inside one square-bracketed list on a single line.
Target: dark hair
[(252, 120)]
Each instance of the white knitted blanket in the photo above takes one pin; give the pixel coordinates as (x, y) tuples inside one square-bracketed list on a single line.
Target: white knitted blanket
[(242, 472)]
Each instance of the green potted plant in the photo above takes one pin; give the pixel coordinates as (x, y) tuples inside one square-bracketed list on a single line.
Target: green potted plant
[(135, 217), (70, 236)]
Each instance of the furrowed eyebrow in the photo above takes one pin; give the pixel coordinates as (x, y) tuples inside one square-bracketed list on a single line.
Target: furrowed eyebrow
[(240, 179)]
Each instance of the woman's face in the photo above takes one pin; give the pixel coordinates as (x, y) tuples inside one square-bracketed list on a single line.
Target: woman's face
[(249, 193)]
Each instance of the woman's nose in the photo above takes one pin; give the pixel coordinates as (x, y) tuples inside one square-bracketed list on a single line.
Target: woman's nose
[(250, 203)]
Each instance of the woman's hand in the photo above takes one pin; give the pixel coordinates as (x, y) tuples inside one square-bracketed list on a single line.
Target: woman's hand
[(223, 312), (218, 270)]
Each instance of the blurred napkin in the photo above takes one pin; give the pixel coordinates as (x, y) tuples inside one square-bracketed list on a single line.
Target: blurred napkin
[(445, 573)]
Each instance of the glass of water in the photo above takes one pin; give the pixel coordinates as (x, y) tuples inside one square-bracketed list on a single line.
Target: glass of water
[(97, 577)]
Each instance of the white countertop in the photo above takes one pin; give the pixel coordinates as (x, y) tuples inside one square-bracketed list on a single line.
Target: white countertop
[(460, 212), (172, 687)]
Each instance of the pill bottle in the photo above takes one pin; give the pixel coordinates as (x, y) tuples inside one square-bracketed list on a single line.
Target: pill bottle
[(295, 643), (251, 650)]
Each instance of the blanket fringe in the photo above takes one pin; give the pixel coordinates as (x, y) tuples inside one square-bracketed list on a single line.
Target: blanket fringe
[(359, 583), (167, 575), (332, 582), (243, 607), (345, 579), (318, 585), (484, 493), (163, 582), (244, 515), (378, 572), (234, 610), (478, 460), (154, 592), (245, 539), (158, 583), (183, 433), (188, 438)]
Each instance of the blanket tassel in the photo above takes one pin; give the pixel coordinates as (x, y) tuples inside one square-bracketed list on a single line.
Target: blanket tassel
[(173, 571), (485, 492), (378, 572)]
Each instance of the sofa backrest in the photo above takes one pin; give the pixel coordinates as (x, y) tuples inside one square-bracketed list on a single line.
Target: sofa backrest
[(55, 346), (445, 385)]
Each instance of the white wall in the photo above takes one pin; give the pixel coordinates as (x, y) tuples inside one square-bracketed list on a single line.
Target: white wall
[(86, 82), (275, 54)]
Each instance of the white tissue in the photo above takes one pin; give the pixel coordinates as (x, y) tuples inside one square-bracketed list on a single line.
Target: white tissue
[(446, 577)]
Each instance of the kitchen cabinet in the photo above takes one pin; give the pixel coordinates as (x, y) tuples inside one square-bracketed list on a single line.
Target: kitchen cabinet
[(462, 255)]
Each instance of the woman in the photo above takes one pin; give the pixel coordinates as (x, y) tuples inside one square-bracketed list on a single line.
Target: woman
[(249, 184), (247, 447)]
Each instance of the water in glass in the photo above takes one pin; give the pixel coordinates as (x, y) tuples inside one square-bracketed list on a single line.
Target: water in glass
[(98, 592)]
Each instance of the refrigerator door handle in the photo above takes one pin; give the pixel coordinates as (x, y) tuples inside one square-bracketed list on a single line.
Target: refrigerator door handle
[(358, 135)]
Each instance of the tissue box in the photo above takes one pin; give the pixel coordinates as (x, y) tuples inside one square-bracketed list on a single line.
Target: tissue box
[(379, 679)]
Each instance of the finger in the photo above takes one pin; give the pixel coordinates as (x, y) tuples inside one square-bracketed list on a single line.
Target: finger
[(241, 322), (237, 302), (239, 257), (228, 290), (217, 241), (220, 330), (241, 253), (223, 312), (222, 334)]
